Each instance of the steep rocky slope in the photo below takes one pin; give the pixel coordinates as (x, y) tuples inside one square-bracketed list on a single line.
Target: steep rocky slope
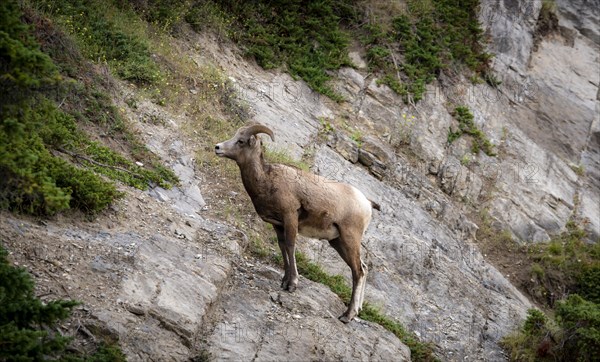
[(551, 111), (163, 274)]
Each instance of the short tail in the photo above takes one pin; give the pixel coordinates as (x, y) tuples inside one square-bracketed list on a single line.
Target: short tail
[(375, 205)]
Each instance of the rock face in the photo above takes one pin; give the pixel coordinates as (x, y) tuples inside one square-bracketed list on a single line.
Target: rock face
[(553, 104), (259, 321), (432, 277), (581, 15), (170, 284)]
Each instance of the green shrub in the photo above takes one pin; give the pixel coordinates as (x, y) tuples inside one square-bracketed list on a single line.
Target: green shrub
[(588, 283), (24, 319), (34, 132), (304, 36), (394, 84), (88, 192), (565, 265), (206, 15), (580, 323), (430, 36), (166, 13), (23, 64), (535, 323), (378, 56), (466, 125), (27, 325), (37, 182)]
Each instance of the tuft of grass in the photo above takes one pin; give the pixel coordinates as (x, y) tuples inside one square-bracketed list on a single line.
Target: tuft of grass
[(326, 126), (276, 155), (357, 137), (465, 160), (466, 125), (419, 351), (537, 270), (578, 169), (258, 247)]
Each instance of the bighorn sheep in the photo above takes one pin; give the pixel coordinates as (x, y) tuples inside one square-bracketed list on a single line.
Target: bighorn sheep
[(294, 201)]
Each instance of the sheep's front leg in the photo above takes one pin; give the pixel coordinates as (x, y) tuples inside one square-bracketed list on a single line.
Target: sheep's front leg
[(290, 231), (286, 264)]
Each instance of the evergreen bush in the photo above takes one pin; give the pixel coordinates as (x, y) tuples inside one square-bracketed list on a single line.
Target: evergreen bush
[(28, 326)]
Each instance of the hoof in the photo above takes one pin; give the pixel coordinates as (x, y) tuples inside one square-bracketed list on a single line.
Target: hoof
[(284, 282), (348, 315), (288, 285), (345, 319)]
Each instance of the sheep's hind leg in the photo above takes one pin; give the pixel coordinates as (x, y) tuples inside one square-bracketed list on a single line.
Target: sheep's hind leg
[(349, 250), (364, 285)]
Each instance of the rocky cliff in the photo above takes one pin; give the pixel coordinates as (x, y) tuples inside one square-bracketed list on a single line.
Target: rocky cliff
[(168, 279)]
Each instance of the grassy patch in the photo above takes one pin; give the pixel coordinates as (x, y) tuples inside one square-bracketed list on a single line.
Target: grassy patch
[(578, 169), (467, 126), (419, 351), (567, 264), (258, 247), (209, 15), (165, 14), (107, 34)]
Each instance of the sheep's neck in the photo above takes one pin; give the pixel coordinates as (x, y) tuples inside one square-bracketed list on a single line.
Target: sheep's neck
[(254, 175)]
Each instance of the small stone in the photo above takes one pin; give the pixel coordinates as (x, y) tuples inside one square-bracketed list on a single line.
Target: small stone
[(139, 163), (137, 310)]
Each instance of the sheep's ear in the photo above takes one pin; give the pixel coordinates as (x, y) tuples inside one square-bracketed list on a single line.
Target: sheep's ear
[(252, 141)]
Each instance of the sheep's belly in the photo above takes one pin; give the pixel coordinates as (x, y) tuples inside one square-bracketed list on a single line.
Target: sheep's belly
[(327, 234)]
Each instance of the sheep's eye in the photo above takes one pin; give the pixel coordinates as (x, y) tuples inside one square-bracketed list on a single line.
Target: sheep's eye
[(240, 142)]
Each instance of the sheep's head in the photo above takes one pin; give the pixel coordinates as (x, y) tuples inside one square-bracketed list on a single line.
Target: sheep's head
[(244, 145)]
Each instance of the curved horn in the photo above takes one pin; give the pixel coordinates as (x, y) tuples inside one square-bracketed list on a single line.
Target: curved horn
[(259, 128)]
